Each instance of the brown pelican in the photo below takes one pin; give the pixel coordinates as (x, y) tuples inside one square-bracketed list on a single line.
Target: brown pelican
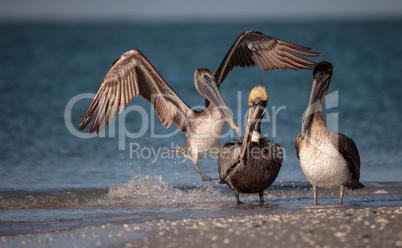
[(329, 160), (132, 75), (253, 163)]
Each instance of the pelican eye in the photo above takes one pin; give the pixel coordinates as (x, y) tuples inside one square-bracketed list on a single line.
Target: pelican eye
[(257, 100)]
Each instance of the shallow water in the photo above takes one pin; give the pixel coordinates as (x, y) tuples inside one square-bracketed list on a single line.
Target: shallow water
[(148, 198), (52, 179)]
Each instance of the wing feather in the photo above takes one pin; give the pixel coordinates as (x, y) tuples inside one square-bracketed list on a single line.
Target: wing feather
[(132, 75), (254, 48), (275, 60), (297, 146), (227, 157), (296, 61), (348, 149)]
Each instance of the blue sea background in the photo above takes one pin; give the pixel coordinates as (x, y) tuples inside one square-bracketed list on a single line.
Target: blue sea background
[(46, 67)]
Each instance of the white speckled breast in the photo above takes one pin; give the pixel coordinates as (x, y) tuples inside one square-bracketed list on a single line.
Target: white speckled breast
[(323, 165), (205, 137)]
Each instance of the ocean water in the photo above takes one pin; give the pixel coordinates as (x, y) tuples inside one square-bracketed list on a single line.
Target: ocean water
[(53, 177)]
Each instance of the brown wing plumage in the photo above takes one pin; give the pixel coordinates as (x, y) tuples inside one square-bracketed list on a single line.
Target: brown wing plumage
[(297, 146), (228, 156), (348, 149), (132, 75), (254, 48)]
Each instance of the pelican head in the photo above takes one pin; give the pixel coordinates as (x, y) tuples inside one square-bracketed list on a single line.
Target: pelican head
[(322, 75), (258, 95), (205, 83), (257, 101)]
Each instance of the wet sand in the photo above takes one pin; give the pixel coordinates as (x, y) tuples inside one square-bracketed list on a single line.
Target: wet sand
[(322, 226), (313, 227)]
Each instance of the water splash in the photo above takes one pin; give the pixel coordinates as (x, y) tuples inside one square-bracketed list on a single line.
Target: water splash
[(145, 190), (143, 186), (151, 190)]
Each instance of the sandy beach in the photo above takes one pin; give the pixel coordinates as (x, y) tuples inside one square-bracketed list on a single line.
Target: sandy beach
[(322, 226)]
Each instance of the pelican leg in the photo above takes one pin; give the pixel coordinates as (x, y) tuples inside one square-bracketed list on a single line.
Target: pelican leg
[(341, 190), (261, 194), (238, 198), (203, 175), (315, 192), (183, 152)]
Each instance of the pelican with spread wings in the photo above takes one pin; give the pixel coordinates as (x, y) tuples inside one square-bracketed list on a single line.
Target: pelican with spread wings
[(132, 75)]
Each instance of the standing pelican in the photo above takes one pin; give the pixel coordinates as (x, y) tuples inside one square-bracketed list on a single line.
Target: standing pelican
[(253, 163), (132, 75), (329, 160)]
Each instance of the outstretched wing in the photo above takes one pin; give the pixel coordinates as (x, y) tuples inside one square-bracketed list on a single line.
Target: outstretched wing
[(132, 75), (254, 48)]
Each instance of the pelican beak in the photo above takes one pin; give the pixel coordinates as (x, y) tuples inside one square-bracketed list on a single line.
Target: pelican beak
[(207, 87), (308, 116), (254, 117), (320, 85), (319, 88)]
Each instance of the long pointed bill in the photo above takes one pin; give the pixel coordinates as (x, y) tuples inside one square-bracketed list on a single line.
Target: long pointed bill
[(254, 115), (318, 89), (308, 116), (211, 92)]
